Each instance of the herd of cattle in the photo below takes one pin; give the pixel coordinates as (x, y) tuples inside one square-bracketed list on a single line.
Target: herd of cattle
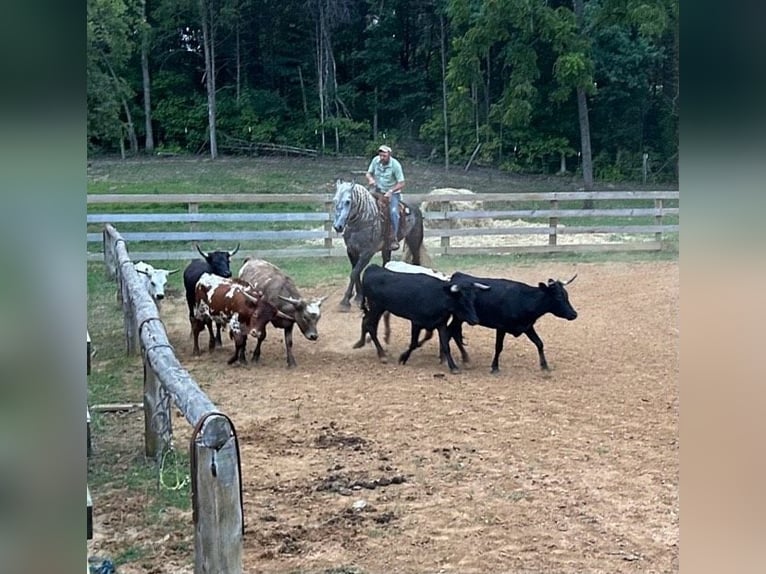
[(262, 294)]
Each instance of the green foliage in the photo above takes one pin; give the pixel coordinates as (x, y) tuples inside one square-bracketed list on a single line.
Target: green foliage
[(109, 47), (513, 69)]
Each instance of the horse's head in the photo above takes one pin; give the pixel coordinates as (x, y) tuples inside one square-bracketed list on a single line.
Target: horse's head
[(342, 201)]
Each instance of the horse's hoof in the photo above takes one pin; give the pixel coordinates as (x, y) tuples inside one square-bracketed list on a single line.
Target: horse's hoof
[(455, 371), (344, 307), (358, 344), (383, 359)]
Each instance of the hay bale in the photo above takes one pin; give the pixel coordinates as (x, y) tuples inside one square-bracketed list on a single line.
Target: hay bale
[(465, 204)]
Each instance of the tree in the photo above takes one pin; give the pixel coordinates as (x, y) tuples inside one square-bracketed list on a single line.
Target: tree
[(109, 27), (208, 14), (145, 75)]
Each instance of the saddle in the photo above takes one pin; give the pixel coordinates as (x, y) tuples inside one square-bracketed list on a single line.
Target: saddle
[(404, 211)]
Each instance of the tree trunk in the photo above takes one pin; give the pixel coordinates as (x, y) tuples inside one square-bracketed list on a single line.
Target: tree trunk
[(445, 115), (129, 126), (149, 143), (238, 57), (206, 14), (303, 96), (582, 116)]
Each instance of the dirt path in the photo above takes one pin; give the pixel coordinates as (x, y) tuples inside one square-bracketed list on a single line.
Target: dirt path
[(571, 471)]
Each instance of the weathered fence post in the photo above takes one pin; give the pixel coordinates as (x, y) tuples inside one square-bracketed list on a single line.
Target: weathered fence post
[(658, 219), (193, 209), (158, 427), (216, 496), (553, 222), (444, 241), (330, 207)]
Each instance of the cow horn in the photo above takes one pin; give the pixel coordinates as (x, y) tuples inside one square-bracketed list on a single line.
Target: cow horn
[(173, 271), (480, 285), (284, 316), (231, 253), (572, 279), (291, 300), (454, 288), (142, 272), (249, 296), (200, 250), (321, 300)]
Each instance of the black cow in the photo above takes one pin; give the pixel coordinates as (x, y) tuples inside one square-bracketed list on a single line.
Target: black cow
[(215, 262), (514, 307), (426, 301)]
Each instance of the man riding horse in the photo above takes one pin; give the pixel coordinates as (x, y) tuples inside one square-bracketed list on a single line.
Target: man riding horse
[(386, 180)]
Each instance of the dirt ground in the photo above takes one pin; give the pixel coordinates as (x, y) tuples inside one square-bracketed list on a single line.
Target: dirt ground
[(350, 465)]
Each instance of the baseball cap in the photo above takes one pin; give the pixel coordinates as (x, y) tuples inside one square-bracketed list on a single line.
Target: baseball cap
[(384, 148)]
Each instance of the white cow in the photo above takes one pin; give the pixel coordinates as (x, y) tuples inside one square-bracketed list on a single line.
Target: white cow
[(154, 280)]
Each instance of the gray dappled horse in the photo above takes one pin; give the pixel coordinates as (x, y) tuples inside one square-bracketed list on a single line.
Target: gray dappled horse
[(360, 220)]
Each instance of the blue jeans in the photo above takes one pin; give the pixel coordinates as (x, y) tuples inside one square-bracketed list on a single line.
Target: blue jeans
[(393, 209)]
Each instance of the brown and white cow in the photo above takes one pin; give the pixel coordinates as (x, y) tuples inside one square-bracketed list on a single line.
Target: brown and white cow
[(280, 290), (233, 304)]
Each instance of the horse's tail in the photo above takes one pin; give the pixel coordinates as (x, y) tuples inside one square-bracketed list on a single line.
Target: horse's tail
[(415, 251)]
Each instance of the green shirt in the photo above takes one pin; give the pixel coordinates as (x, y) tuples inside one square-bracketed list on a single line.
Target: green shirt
[(386, 175)]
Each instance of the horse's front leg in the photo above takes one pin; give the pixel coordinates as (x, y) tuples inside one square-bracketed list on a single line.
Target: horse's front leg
[(345, 303)]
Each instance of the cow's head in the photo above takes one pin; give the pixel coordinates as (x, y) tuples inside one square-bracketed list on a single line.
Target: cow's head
[(306, 314), (261, 312), (155, 279), (463, 294), (219, 261), (559, 298)]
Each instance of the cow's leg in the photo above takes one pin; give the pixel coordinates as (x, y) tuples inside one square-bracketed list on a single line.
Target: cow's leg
[(535, 338), (444, 349), (257, 352), (197, 326), (211, 342), (414, 334), (499, 338), (370, 322), (289, 346), (387, 327), (363, 337), (240, 348), (455, 331), (218, 340)]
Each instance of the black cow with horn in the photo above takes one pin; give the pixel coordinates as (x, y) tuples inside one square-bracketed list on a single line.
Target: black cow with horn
[(215, 262), (513, 307)]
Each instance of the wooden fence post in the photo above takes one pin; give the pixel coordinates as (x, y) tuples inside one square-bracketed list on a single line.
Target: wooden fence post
[(553, 222), (128, 314), (658, 220), (328, 225), (193, 208), (216, 497), (158, 424), (445, 240)]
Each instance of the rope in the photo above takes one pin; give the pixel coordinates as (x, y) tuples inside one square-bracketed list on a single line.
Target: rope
[(179, 482)]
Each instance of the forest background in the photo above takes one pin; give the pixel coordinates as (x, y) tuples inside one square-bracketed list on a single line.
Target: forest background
[(588, 87)]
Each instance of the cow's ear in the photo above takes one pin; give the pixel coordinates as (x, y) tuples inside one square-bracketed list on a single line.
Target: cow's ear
[(542, 286)]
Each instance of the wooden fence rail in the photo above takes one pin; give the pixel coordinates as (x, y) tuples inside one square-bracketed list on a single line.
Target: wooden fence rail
[(310, 233), (214, 451)]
